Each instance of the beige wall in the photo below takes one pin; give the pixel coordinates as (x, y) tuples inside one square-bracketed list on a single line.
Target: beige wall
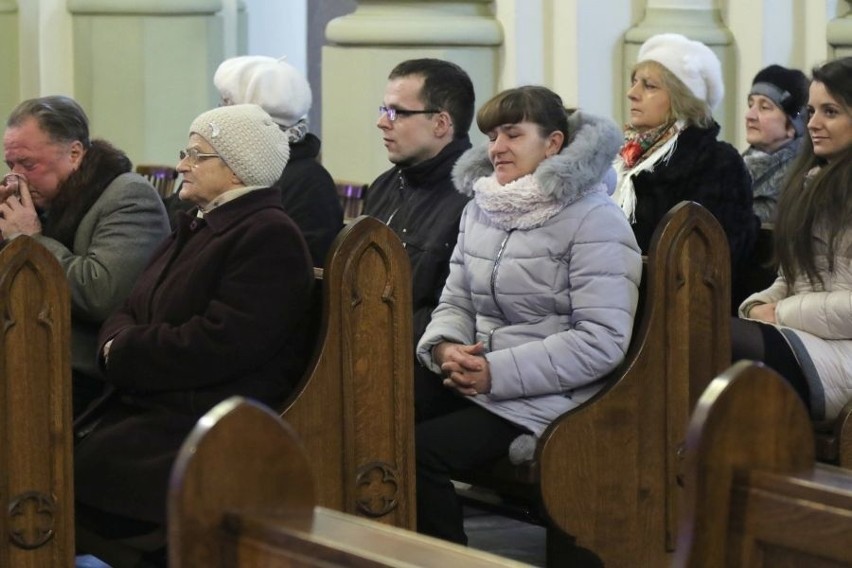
[(143, 68)]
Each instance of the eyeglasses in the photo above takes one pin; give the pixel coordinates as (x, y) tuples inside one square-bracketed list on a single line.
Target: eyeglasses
[(394, 113), (193, 155)]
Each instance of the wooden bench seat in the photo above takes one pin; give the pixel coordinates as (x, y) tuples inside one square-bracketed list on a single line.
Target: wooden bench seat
[(606, 476), (36, 485), (243, 495), (755, 496)]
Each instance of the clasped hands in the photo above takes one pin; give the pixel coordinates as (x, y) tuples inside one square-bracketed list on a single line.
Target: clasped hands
[(18, 215), (465, 368), (763, 312)]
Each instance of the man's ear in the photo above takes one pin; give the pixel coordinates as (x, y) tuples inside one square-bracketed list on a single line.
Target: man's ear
[(76, 152), (443, 124)]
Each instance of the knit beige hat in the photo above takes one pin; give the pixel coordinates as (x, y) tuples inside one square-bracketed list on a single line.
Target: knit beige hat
[(247, 139), (279, 88)]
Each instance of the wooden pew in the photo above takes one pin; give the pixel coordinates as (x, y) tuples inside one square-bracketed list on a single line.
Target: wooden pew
[(36, 485), (242, 494), (833, 437), (606, 476), (354, 408), (755, 495)]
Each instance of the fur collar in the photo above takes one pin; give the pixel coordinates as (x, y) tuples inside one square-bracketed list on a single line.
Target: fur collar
[(101, 164), (577, 170)]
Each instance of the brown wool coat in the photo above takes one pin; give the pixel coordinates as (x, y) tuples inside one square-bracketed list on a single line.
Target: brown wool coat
[(216, 313)]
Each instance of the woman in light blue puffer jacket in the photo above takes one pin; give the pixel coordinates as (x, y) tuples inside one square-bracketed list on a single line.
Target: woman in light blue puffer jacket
[(540, 299)]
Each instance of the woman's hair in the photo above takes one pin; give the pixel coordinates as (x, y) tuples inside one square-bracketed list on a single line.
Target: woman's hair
[(535, 104), (824, 200), (684, 105)]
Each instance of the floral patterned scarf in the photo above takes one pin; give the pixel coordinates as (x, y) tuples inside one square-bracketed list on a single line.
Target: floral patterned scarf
[(642, 152), (639, 145)]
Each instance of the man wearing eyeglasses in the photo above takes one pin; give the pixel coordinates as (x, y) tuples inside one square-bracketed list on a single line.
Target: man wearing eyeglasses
[(78, 198), (424, 119)]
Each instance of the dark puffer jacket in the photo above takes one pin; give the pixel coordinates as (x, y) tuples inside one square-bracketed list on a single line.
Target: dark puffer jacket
[(421, 204)]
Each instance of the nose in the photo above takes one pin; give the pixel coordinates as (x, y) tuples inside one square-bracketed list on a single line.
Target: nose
[(633, 92), (383, 122), (183, 165), (751, 113), (814, 123), (498, 145)]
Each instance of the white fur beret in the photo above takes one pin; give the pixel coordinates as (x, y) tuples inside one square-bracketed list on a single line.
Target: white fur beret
[(276, 86), (690, 61), (248, 141)]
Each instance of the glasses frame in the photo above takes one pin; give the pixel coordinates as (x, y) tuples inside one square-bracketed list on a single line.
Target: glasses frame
[(395, 113), (193, 156)]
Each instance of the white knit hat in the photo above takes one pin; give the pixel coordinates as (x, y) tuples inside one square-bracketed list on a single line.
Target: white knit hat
[(690, 61), (247, 139), (279, 88)]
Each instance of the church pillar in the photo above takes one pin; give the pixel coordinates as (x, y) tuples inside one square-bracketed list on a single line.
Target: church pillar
[(10, 65), (144, 69), (839, 35)]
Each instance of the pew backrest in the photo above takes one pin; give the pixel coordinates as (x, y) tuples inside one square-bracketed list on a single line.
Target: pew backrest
[(610, 470), (755, 496), (243, 494), (36, 485), (353, 409)]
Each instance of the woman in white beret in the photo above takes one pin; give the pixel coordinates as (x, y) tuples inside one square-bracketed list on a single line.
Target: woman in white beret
[(671, 152), (217, 313)]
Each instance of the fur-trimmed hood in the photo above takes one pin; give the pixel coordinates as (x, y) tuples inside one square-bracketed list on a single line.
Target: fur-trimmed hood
[(583, 163)]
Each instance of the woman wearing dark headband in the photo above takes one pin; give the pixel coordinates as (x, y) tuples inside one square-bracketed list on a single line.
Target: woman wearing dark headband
[(774, 128)]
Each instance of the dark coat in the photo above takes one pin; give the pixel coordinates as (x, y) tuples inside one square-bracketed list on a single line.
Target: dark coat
[(709, 172), (421, 204), (103, 228), (215, 314), (308, 195)]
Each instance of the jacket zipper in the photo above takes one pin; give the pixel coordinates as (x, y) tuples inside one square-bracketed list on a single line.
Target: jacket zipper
[(494, 282), (402, 200)]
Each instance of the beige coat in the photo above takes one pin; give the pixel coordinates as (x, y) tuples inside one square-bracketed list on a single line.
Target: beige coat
[(817, 323)]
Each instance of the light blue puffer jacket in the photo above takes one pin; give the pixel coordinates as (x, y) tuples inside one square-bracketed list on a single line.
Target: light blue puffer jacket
[(554, 305)]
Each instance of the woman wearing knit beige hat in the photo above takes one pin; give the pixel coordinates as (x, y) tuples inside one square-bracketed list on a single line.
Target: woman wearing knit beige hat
[(671, 152), (775, 123), (216, 313), (308, 192)]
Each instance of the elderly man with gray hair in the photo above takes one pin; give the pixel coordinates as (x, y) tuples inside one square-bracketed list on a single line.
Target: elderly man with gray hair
[(78, 197)]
